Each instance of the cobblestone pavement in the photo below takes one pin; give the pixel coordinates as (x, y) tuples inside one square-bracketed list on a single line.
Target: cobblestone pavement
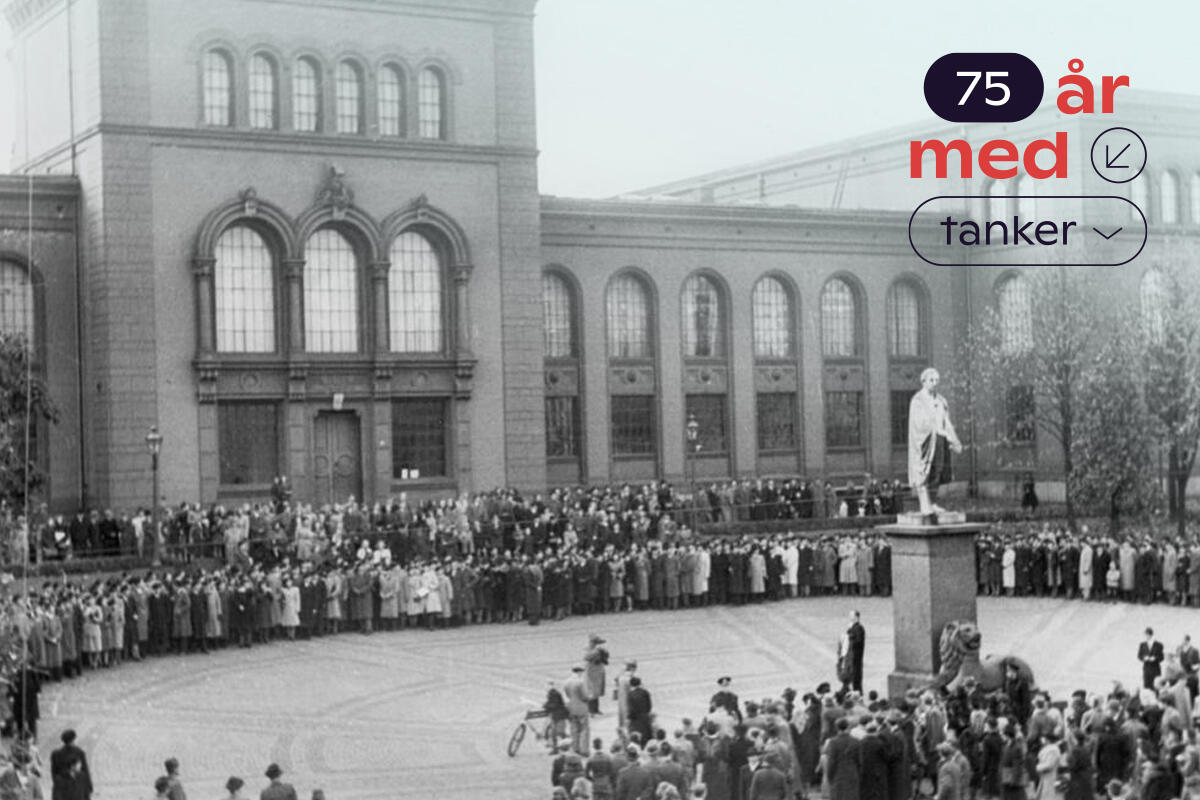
[(415, 714)]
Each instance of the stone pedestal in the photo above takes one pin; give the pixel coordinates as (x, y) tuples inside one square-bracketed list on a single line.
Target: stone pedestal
[(933, 582)]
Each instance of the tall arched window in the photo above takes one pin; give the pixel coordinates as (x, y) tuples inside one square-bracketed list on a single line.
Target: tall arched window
[(1139, 193), (1015, 306), (391, 101), (330, 294), (904, 320), (263, 92), (1026, 202), (348, 82), (771, 309), (244, 285), (558, 328), (415, 293), (1155, 296), (839, 320), (1168, 198), (218, 88), (1194, 193), (997, 203), (431, 104), (16, 301), (628, 311), (702, 332), (306, 95)]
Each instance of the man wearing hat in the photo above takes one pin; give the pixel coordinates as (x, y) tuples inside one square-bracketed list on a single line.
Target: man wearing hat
[(726, 699), (234, 787), (596, 659), (61, 760), (575, 692), (621, 693), (277, 790)]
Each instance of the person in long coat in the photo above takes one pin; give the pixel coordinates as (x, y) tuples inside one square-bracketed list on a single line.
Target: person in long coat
[(1081, 776), (333, 600), (290, 618), (389, 597), (671, 583), (595, 660), (181, 622), (362, 584), (1049, 759), (69, 643), (874, 772), (843, 764), (756, 573), (213, 621), (532, 578)]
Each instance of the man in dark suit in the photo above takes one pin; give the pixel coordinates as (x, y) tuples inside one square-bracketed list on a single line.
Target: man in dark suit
[(635, 781), (61, 761), (639, 706), (1150, 653), (277, 790), (857, 638), (726, 699), (844, 764)]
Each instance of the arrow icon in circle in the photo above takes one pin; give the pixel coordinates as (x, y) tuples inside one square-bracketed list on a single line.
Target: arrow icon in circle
[(1114, 233), (1110, 161)]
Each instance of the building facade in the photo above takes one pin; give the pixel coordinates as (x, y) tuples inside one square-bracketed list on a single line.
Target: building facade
[(305, 238)]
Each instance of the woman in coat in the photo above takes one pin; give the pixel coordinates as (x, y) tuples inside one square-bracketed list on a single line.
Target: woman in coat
[(1049, 760), (1081, 776), (290, 615), (1013, 777), (389, 597), (181, 619)]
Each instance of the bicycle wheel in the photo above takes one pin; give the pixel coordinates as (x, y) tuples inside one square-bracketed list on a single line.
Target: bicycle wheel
[(514, 742)]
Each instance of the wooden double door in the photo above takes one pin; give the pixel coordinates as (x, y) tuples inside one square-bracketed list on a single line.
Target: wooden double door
[(337, 457)]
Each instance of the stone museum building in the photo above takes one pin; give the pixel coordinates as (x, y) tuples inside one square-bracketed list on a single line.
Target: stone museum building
[(305, 238)]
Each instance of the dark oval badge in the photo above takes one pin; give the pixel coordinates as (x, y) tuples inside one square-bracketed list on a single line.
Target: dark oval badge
[(983, 87)]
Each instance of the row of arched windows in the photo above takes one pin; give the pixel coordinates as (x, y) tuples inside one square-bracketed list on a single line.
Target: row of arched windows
[(363, 101), (245, 289), (628, 312), (1161, 198)]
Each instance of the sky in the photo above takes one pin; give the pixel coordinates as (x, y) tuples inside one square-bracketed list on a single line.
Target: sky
[(633, 93)]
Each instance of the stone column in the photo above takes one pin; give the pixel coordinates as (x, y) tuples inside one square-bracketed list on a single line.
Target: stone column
[(202, 269), (379, 291), (293, 269), (933, 583), (462, 311)]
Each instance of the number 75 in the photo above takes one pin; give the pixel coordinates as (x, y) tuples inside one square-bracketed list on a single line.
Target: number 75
[(988, 84)]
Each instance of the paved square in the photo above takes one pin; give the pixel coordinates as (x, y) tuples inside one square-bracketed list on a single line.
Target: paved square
[(414, 714)]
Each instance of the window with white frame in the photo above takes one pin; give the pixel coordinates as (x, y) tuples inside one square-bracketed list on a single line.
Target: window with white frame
[(330, 294), (431, 104), (628, 312), (771, 309), (839, 320), (349, 90), (306, 95), (218, 88), (415, 294), (390, 97), (244, 285), (263, 94), (702, 332)]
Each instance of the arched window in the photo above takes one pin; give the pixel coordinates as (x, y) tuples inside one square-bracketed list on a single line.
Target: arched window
[(628, 311), (558, 328), (391, 101), (1195, 198), (244, 285), (306, 95), (997, 203), (771, 308), (16, 301), (1155, 296), (904, 320), (431, 104), (1139, 193), (415, 293), (1026, 202), (348, 83), (263, 92), (702, 332), (1168, 198), (218, 88), (330, 294), (1015, 306), (839, 320)]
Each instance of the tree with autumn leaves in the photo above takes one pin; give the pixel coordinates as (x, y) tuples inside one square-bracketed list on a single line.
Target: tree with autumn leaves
[(1112, 385)]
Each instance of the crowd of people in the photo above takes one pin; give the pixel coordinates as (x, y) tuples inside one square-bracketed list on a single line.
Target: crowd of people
[(963, 742), (1023, 559), (496, 518)]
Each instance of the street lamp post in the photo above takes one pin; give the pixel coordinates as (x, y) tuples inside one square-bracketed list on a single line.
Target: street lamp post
[(693, 437), (154, 441)]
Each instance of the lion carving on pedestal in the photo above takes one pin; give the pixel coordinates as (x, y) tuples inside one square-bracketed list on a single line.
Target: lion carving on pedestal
[(959, 651)]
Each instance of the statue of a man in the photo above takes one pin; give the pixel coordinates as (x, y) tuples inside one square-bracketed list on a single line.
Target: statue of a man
[(931, 437)]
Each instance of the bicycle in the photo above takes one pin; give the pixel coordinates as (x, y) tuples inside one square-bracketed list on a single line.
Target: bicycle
[(536, 720)]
